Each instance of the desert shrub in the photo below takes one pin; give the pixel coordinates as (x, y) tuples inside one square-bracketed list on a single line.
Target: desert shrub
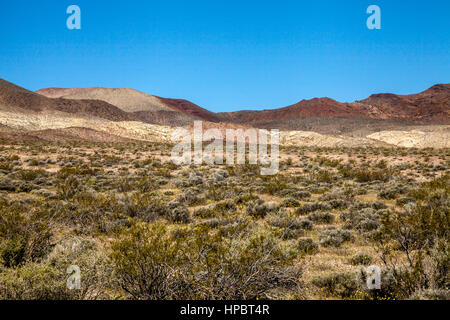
[(215, 222), (361, 259), (7, 184), (359, 205), (68, 171), (431, 294), (365, 174), (145, 260), (291, 226), (322, 176), (26, 187), (307, 245), (322, 217), (30, 175), (388, 290), (405, 200), (342, 285), (195, 179), (48, 280), (90, 212), (70, 187), (22, 237), (392, 192), (378, 205), (333, 237), (96, 272), (301, 195), (290, 203), (144, 206), (6, 166), (366, 220), (34, 282), (274, 184), (217, 192), (205, 212), (12, 251), (189, 197), (388, 194), (420, 235), (177, 213), (337, 203), (236, 225), (245, 198), (257, 209), (220, 175), (222, 208), (306, 224), (311, 207), (154, 262)]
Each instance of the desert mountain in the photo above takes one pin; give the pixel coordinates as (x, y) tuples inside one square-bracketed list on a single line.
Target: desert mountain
[(101, 114), (17, 99), (141, 106), (429, 106), (432, 104), (317, 107)]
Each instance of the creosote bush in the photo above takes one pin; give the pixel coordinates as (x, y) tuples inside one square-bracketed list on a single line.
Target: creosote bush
[(22, 237), (155, 261)]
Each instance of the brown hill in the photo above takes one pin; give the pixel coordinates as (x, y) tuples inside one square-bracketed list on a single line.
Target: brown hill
[(141, 106), (190, 108), (429, 106), (432, 104), (317, 107), (128, 100), (18, 99)]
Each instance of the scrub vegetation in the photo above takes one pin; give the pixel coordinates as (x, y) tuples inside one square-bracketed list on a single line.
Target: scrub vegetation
[(140, 227)]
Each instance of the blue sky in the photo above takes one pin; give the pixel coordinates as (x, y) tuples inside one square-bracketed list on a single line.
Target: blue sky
[(229, 55)]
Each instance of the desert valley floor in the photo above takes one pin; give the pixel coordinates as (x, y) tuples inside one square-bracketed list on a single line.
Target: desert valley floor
[(140, 227)]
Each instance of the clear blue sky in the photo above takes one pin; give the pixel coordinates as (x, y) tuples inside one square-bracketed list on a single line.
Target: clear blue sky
[(229, 55)]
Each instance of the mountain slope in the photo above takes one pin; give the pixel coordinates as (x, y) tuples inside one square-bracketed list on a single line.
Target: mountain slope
[(15, 98), (317, 107), (432, 104), (129, 100), (141, 106), (64, 134)]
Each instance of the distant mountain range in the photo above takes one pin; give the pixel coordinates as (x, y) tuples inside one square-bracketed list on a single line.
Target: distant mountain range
[(431, 106)]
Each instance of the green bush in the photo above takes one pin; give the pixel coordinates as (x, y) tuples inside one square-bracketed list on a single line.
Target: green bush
[(420, 235), (334, 237), (361, 259), (322, 217), (341, 285), (22, 238), (34, 282), (307, 245), (154, 261)]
